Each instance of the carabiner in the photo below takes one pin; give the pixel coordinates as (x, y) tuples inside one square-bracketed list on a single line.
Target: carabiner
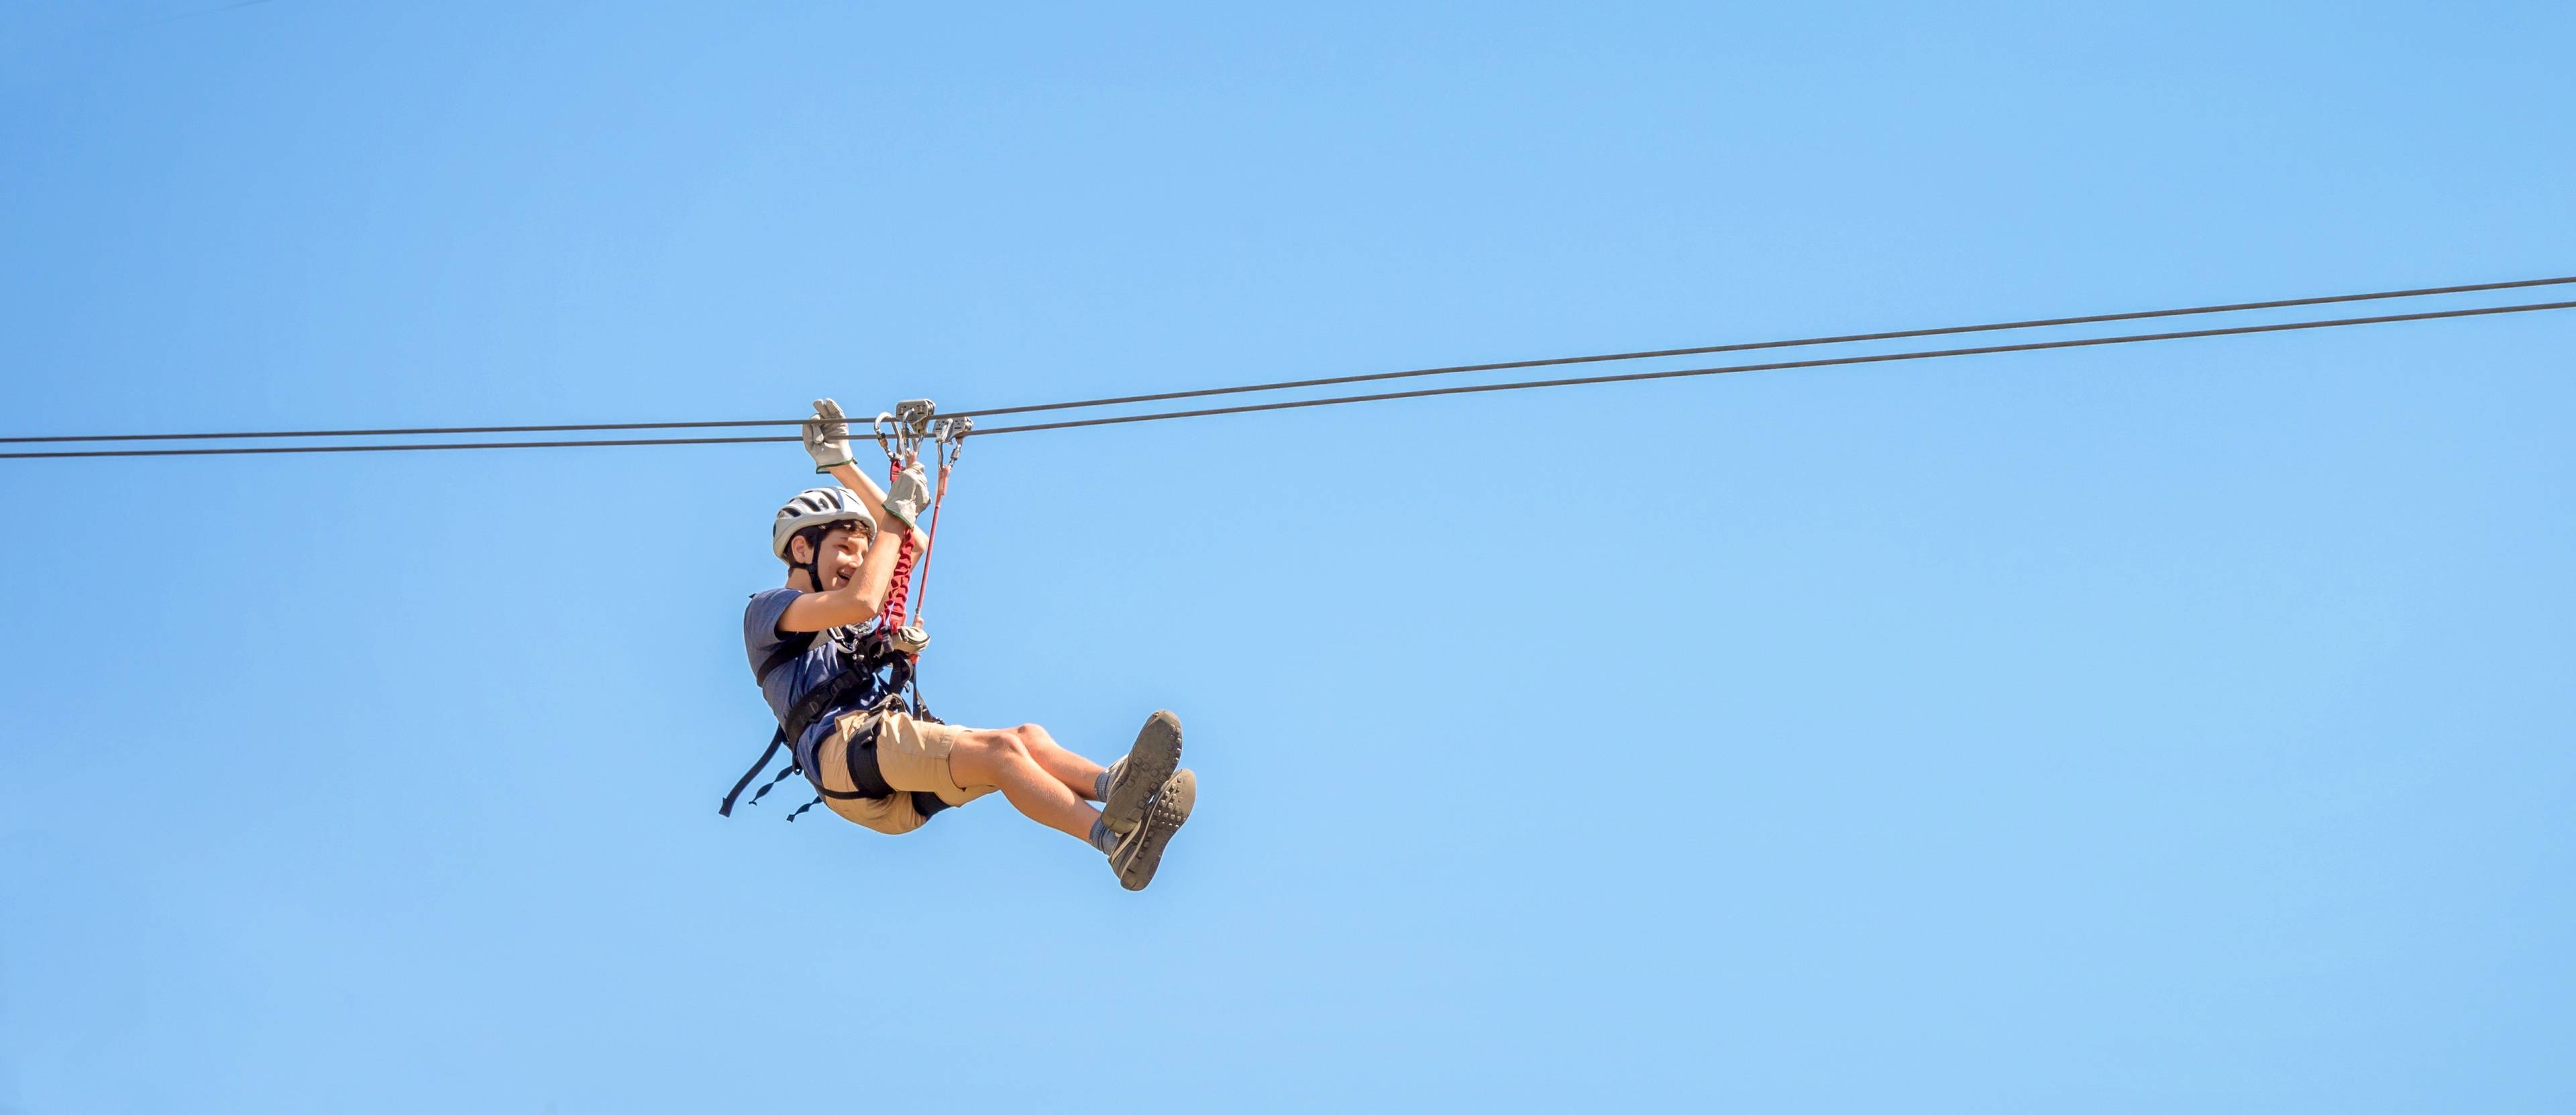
[(891, 452), (914, 420)]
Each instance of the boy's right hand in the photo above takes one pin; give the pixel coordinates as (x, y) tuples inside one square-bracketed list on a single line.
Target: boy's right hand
[(828, 440)]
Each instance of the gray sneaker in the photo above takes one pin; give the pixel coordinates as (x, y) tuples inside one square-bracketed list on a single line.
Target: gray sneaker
[(1133, 780), (1141, 852)]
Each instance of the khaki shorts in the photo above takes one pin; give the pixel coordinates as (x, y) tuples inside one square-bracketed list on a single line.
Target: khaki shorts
[(912, 756)]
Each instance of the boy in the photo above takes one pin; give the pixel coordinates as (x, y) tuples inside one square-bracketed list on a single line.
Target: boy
[(883, 768)]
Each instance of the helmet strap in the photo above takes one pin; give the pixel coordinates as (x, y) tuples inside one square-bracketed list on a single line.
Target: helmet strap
[(813, 568)]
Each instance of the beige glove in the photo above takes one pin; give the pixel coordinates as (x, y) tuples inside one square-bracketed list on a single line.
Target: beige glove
[(908, 495), (828, 441)]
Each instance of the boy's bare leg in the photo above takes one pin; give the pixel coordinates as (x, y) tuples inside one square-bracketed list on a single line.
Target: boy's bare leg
[(1001, 758), (1078, 774)]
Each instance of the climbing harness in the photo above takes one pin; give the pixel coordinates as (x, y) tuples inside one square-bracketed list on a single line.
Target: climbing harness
[(869, 679), (876, 666)]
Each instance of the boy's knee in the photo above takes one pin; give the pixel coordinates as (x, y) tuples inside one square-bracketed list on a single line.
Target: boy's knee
[(1033, 736), (1000, 746)]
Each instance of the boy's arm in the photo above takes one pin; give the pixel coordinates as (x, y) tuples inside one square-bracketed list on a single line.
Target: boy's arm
[(854, 603), (829, 443), (874, 498)]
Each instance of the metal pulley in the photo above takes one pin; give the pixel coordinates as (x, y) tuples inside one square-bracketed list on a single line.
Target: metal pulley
[(915, 415), (911, 422), (951, 430), (901, 431)]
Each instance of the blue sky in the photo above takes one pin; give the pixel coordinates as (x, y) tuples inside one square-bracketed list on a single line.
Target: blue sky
[(2156, 728)]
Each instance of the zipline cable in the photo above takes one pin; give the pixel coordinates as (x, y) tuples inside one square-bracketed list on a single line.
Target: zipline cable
[(2031, 346), (423, 431), (388, 447), (1742, 346), (1631, 377), (1748, 346)]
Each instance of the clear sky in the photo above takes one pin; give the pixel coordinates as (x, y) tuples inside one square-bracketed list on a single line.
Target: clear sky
[(2162, 728)]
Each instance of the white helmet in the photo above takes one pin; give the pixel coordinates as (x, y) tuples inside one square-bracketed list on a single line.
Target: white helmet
[(816, 507)]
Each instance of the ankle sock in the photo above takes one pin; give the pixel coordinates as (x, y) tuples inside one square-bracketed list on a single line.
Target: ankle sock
[(1100, 785), (1102, 838)]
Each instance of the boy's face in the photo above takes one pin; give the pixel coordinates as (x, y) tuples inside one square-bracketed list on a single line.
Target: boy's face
[(838, 560)]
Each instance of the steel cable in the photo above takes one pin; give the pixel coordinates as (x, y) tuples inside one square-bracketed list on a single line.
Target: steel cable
[(1164, 396), (1520, 385), (1748, 346), (1630, 377), (1523, 385)]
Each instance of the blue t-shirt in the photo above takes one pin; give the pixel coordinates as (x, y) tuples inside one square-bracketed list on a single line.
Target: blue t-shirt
[(790, 682)]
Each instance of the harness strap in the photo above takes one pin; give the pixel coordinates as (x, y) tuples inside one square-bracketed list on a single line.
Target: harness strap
[(775, 742), (856, 676), (795, 646), (792, 771), (861, 763)]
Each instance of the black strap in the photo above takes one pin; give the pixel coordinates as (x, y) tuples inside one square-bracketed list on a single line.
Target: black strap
[(791, 770), (861, 764), (791, 645), (775, 742), (798, 642), (852, 688)]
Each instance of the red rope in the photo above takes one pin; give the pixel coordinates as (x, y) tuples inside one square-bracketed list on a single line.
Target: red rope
[(890, 617)]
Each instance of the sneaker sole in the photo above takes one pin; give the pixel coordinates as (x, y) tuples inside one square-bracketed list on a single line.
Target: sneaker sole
[(1170, 810), (1150, 762)]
